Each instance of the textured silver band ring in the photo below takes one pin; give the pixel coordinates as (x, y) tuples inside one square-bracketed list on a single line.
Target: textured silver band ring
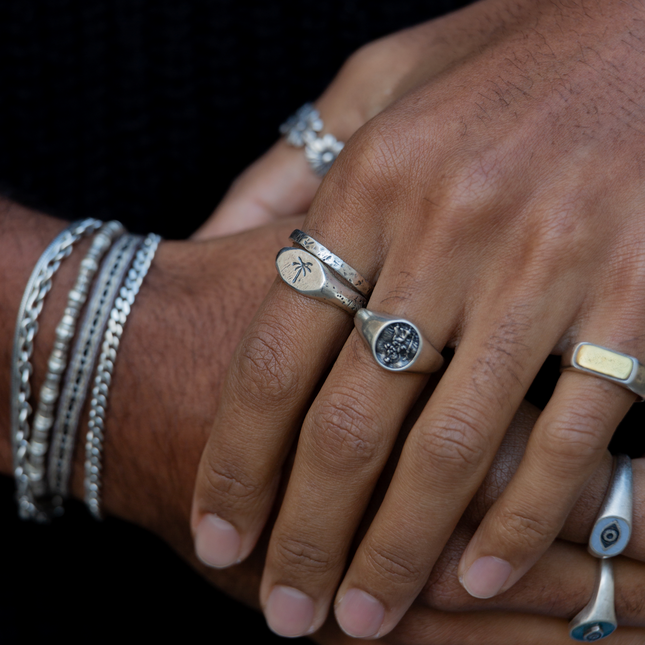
[(613, 526), (309, 276), (301, 130), (396, 343), (355, 279), (598, 619), (622, 369)]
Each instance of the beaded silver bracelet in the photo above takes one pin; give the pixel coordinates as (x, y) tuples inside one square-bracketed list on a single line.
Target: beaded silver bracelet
[(38, 286), (57, 363), (100, 392), (83, 358)]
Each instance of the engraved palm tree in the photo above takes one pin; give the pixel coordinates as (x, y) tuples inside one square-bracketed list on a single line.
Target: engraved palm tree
[(302, 269)]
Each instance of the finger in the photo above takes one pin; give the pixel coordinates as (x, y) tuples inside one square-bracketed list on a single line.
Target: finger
[(446, 456), (565, 448), (559, 585), (279, 184), (491, 628), (580, 520), (345, 441), (271, 379)]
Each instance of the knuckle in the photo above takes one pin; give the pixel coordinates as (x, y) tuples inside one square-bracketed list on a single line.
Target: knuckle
[(455, 441), (474, 185), (574, 438), (293, 554), (517, 529), (391, 567), (228, 485), (263, 366), (344, 431)]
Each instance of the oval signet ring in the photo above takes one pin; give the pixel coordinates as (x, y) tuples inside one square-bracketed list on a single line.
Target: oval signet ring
[(613, 526), (309, 276), (396, 343)]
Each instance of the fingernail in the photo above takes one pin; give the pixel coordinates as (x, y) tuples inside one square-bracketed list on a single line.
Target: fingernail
[(359, 614), (486, 577), (217, 543), (289, 612)]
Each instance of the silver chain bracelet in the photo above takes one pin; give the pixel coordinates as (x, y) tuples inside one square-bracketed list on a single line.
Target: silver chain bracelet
[(38, 286), (105, 367), (57, 363), (83, 358)]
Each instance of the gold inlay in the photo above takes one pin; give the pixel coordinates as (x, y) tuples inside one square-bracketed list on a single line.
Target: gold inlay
[(604, 361)]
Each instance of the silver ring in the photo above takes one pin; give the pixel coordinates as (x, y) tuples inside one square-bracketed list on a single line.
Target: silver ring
[(613, 526), (598, 619), (306, 274), (396, 343), (623, 369), (343, 269), (301, 130)]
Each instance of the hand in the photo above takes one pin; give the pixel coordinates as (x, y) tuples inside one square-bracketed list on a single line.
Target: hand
[(175, 352), (499, 205)]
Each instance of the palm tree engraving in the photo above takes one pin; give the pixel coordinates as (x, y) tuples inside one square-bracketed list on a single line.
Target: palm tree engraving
[(302, 269)]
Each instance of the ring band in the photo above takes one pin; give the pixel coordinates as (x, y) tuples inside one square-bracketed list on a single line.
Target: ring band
[(397, 344), (309, 276), (598, 619), (614, 366), (343, 269), (301, 130), (613, 526)]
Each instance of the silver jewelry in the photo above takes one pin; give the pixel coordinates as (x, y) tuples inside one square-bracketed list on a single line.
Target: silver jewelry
[(84, 355), (57, 364), (38, 286), (396, 343), (105, 367), (343, 269), (310, 277), (598, 619), (596, 360), (301, 130), (613, 526)]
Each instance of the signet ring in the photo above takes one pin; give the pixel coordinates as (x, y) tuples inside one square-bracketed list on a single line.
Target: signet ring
[(309, 276), (396, 343)]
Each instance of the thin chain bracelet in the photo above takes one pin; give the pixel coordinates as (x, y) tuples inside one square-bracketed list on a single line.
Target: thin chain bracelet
[(57, 363), (39, 285), (84, 355), (101, 390)]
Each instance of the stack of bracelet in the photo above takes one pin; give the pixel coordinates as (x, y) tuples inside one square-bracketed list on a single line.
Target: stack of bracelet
[(609, 537), (117, 263)]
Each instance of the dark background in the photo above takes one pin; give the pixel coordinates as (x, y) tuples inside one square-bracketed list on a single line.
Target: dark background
[(144, 111)]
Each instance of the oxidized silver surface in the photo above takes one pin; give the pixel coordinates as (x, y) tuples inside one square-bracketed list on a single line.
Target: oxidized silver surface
[(613, 526), (101, 391), (598, 619), (397, 344), (606, 363), (308, 275), (343, 269), (321, 153), (303, 126)]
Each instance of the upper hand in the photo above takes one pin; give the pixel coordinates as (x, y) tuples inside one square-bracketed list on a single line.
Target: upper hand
[(499, 204)]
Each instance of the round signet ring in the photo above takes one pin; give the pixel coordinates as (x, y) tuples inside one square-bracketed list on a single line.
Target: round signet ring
[(397, 344), (310, 277)]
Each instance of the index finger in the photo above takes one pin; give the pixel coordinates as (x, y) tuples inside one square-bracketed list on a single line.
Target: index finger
[(290, 343)]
